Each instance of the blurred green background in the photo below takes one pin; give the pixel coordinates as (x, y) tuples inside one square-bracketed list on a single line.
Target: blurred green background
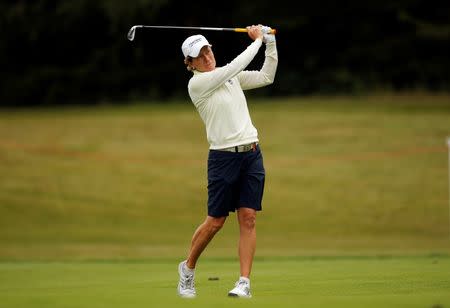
[(345, 176)]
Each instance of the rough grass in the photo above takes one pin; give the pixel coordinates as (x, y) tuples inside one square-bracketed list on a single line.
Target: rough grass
[(345, 176)]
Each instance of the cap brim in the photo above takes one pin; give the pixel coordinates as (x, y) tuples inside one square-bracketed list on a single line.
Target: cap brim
[(196, 50)]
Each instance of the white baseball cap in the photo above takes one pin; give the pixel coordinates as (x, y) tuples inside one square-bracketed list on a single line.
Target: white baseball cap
[(192, 45)]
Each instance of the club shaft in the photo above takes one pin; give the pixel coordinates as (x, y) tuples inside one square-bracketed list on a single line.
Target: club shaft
[(198, 28), (132, 31), (187, 28)]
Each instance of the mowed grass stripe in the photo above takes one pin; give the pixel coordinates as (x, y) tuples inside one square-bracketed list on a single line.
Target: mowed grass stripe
[(334, 282)]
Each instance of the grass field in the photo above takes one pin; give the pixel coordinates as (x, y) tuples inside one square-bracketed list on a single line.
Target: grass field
[(290, 282), (359, 182)]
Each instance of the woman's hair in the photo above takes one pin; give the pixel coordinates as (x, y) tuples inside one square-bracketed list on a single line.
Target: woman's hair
[(187, 62)]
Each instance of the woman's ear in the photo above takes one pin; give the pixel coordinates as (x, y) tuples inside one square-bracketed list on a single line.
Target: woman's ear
[(188, 63)]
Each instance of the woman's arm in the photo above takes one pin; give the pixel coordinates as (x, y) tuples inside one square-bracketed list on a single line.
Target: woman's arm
[(203, 84), (265, 76)]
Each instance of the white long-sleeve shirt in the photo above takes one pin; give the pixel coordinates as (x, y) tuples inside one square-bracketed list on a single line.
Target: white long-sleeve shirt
[(219, 98)]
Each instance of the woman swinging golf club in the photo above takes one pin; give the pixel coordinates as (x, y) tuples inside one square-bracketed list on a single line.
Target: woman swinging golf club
[(235, 164)]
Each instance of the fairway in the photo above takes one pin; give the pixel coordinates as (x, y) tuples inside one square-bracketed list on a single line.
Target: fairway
[(98, 205), (291, 282)]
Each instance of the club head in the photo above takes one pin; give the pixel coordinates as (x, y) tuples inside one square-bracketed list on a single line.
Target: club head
[(131, 33)]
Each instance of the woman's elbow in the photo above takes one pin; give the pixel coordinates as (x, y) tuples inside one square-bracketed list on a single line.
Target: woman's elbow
[(268, 79)]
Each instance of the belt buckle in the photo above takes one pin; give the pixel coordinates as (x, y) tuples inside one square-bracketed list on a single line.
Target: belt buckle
[(249, 147), (242, 148)]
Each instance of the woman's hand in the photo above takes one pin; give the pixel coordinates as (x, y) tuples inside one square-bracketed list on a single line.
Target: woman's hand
[(255, 32)]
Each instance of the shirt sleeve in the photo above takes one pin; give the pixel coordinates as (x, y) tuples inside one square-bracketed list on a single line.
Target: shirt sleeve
[(265, 76), (204, 84)]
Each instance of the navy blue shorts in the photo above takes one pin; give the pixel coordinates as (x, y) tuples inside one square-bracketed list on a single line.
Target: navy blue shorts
[(234, 180)]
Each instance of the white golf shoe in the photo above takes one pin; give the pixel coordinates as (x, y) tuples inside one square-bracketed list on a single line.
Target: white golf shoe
[(241, 288), (186, 286)]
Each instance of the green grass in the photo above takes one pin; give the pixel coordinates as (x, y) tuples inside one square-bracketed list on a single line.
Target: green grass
[(345, 176), (98, 205), (288, 282)]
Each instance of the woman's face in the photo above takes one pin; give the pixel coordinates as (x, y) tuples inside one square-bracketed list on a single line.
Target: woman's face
[(205, 62)]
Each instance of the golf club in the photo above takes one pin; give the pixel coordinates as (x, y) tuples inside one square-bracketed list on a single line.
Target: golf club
[(132, 31)]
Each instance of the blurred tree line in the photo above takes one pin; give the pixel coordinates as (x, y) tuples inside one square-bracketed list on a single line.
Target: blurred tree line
[(57, 52)]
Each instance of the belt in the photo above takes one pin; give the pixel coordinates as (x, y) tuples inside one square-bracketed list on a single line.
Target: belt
[(241, 148)]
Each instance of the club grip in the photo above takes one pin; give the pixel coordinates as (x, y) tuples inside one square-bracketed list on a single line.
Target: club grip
[(273, 31)]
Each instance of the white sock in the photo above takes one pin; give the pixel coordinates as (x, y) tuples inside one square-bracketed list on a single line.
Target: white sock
[(187, 270), (247, 280)]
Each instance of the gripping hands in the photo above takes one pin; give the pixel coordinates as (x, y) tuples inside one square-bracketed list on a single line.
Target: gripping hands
[(267, 36)]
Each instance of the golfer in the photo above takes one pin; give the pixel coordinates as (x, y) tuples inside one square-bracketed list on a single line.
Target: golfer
[(235, 163)]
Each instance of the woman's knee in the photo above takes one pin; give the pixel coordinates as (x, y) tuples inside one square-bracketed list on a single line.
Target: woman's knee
[(215, 223), (247, 218)]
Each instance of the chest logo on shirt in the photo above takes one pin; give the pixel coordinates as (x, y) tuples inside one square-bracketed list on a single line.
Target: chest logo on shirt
[(230, 82)]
